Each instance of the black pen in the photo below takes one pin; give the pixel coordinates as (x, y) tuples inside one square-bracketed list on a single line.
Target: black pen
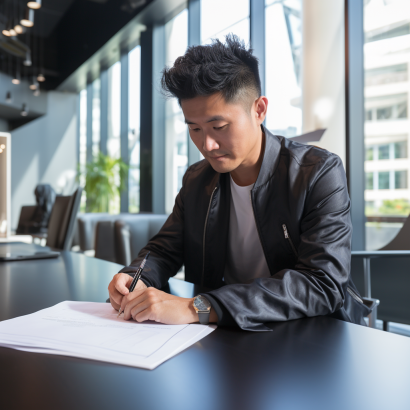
[(137, 277)]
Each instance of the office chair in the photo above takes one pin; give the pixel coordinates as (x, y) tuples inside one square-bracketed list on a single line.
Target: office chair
[(62, 221)]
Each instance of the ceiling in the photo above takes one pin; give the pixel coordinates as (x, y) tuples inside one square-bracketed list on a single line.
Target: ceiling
[(68, 33)]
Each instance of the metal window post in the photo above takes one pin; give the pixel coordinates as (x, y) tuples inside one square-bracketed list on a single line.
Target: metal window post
[(354, 41), (89, 122), (146, 115), (194, 38), (124, 200), (104, 111), (257, 34), (158, 121)]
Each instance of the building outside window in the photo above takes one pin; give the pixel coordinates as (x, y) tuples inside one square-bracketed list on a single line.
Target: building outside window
[(232, 17), (387, 127), (283, 80), (176, 162), (96, 116), (134, 61)]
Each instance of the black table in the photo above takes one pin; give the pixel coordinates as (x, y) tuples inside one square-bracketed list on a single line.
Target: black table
[(312, 363)]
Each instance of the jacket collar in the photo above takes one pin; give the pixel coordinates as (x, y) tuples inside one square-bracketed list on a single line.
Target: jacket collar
[(270, 158)]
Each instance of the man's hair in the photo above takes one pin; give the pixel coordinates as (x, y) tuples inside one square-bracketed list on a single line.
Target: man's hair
[(229, 68)]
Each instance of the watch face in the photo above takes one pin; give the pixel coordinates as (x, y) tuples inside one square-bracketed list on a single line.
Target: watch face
[(202, 304)]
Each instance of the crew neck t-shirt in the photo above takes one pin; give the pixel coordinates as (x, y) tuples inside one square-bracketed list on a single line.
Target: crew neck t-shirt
[(245, 258)]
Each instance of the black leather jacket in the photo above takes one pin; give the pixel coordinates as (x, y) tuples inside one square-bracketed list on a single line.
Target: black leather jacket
[(302, 213)]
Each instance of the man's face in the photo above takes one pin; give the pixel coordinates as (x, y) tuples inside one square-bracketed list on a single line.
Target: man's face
[(226, 134)]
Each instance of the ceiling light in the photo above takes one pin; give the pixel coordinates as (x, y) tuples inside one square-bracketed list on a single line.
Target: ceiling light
[(34, 84), (34, 4), (9, 100), (27, 61), (24, 110), (2, 146), (41, 78), (16, 79), (37, 92), (6, 33), (18, 29), (12, 32), (1, 150), (28, 19)]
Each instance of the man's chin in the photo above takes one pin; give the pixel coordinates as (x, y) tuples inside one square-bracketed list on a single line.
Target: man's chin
[(222, 167)]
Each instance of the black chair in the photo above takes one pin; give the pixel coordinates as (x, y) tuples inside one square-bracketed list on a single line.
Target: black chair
[(34, 219), (62, 221), (385, 275), (120, 240)]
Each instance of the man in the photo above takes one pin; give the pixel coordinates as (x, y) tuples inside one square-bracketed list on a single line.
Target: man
[(262, 221)]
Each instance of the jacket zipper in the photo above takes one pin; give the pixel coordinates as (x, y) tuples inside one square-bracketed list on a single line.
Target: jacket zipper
[(354, 295), (203, 244), (287, 236)]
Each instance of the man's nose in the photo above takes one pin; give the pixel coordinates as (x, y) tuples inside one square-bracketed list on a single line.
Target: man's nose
[(210, 144)]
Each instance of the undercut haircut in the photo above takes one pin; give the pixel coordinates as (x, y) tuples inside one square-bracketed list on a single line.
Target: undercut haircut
[(228, 68)]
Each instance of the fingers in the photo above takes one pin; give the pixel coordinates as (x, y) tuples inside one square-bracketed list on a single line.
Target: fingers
[(122, 282), (115, 294), (131, 300)]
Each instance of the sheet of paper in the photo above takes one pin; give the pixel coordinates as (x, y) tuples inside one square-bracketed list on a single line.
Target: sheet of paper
[(92, 331)]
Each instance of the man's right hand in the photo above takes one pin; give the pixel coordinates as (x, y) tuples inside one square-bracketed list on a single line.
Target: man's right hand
[(118, 288)]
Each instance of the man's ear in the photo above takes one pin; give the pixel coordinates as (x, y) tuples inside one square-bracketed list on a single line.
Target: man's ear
[(261, 107)]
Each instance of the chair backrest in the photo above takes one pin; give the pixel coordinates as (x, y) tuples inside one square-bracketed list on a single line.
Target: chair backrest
[(26, 216), (401, 242), (62, 221), (132, 233), (87, 226)]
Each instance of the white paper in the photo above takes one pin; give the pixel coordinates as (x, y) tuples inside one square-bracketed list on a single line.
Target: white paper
[(92, 331)]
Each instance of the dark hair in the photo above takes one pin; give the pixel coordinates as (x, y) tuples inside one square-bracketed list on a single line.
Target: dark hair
[(228, 68)]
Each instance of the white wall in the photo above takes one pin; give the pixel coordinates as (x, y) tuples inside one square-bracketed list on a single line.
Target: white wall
[(44, 151)]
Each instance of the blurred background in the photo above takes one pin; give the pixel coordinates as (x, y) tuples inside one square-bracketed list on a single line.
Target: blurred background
[(80, 98)]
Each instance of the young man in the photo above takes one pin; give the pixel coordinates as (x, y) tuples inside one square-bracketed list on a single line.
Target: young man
[(263, 221)]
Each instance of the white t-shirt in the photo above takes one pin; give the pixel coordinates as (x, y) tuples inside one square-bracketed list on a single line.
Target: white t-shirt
[(245, 260)]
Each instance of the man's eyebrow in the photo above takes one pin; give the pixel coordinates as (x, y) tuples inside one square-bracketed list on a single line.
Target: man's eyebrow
[(215, 118)]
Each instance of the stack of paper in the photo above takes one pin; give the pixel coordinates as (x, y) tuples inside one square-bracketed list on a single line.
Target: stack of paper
[(92, 331)]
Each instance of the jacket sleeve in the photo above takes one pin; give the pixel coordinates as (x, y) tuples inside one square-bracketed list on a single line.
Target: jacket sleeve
[(166, 248), (317, 284)]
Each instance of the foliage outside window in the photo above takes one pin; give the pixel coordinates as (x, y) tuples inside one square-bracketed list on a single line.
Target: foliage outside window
[(101, 182)]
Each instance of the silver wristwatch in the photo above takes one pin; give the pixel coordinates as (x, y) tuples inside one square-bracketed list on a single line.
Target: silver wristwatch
[(203, 307)]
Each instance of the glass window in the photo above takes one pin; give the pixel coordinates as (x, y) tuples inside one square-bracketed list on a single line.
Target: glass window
[(113, 140), (384, 152), (283, 80), (114, 106), (96, 116), (219, 18), (400, 179), (384, 180), (369, 180), (400, 149), (83, 143), (176, 162), (369, 154), (134, 60)]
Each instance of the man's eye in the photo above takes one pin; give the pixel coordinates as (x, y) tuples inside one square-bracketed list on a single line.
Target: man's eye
[(219, 128)]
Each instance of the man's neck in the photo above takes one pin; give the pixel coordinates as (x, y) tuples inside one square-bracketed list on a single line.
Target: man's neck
[(247, 173)]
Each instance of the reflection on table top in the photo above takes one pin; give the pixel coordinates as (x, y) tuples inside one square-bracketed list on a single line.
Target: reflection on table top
[(312, 363)]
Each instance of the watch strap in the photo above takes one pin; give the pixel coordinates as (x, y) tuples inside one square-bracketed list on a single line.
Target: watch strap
[(204, 317)]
